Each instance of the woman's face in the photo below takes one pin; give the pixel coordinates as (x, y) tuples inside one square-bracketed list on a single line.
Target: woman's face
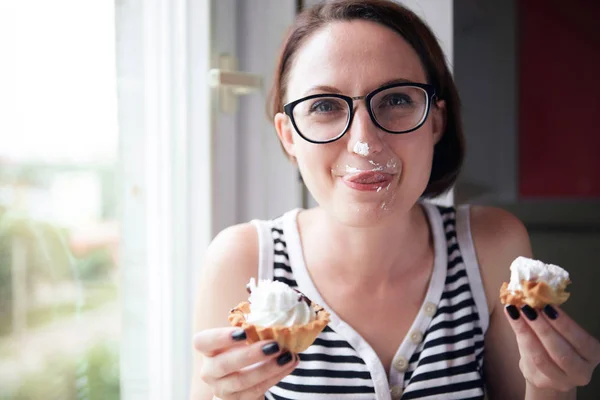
[(368, 173)]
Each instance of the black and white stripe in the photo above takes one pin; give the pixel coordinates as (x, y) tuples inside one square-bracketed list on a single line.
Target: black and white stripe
[(449, 361), (330, 368), (446, 364)]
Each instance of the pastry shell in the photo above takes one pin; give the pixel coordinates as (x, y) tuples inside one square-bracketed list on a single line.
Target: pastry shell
[(535, 294), (295, 338)]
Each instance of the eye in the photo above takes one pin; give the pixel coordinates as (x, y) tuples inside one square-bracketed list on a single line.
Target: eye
[(396, 100), (324, 106)]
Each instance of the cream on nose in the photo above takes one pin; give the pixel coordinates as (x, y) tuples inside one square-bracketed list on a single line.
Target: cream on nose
[(366, 138), (361, 148)]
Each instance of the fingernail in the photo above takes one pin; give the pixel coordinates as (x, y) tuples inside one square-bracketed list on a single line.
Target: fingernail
[(550, 312), (513, 311), (238, 335), (284, 358), (270, 348), (529, 312)]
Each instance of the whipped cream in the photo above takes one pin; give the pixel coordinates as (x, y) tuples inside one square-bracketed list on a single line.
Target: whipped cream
[(523, 268), (353, 170), (361, 148), (275, 303)]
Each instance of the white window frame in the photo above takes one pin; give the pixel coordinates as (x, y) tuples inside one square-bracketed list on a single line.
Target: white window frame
[(163, 55)]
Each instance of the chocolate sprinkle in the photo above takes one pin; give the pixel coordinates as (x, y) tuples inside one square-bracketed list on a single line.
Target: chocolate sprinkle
[(302, 297)]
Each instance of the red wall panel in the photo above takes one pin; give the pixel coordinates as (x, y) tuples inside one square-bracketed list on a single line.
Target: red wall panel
[(559, 99)]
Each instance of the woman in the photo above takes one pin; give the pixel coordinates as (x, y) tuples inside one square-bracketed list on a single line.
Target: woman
[(364, 104)]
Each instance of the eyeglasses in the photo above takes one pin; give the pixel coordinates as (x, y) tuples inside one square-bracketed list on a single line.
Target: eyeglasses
[(397, 108)]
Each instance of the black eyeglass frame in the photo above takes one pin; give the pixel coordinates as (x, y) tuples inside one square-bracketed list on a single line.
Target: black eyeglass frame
[(429, 90)]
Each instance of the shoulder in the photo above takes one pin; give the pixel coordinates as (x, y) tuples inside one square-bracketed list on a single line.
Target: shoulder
[(230, 261), (233, 248), (499, 237), (497, 232)]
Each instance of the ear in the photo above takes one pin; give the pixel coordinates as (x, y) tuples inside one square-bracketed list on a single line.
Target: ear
[(438, 120), (285, 131)]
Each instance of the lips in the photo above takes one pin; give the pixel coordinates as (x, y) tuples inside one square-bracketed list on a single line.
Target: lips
[(368, 177), (367, 180)]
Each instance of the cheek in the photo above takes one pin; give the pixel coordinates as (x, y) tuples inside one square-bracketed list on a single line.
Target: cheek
[(315, 162), (309, 158), (416, 154)]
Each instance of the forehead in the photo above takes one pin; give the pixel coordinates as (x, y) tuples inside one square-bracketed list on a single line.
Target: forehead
[(353, 56)]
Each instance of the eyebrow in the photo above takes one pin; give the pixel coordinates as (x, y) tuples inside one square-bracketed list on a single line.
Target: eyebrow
[(333, 89)]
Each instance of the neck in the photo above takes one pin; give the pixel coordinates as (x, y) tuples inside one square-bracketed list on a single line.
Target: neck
[(388, 250)]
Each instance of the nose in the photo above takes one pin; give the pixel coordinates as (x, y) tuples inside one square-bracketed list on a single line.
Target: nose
[(365, 137)]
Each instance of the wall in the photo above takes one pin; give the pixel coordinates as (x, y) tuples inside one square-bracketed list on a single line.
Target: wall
[(487, 70), (558, 98), (486, 74), (268, 183)]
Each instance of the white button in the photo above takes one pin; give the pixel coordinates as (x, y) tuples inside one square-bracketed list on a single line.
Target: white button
[(416, 337), (401, 364), (429, 309), (396, 392)]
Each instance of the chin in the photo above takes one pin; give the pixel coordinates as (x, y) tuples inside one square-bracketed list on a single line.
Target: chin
[(362, 215)]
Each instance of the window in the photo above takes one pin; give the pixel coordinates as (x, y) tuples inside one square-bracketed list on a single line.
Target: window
[(59, 202)]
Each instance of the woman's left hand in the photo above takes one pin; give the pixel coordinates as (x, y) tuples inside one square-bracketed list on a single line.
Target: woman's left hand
[(556, 353)]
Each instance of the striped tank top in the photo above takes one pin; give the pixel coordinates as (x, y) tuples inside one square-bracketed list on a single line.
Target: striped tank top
[(441, 356)]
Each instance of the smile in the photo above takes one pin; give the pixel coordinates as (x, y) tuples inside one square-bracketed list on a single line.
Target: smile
[(367, 181)]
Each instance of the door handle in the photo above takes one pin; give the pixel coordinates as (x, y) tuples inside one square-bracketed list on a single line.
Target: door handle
[(232, 83)]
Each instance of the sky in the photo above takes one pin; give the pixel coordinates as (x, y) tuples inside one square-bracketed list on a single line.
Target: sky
[(58, 81)]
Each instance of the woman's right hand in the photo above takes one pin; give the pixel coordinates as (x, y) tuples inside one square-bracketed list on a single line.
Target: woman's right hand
[(235, 370)]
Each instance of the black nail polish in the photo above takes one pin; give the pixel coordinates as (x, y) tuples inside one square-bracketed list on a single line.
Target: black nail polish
[(550, 312), (284, 358), (529, 312), (238, 335), (513, 312), (270, 348)]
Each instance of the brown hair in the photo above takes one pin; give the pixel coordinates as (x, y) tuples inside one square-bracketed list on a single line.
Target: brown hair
[(449, 151)]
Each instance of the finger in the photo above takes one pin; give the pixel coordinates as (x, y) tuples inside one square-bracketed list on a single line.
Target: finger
[(538, 366), (260, 389), (560, 351), (235, 359), (587, 346), (211, 342), (252, 378)]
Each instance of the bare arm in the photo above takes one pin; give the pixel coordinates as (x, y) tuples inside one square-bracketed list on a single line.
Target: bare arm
[(551, 352), (499, 238), (231, 260)]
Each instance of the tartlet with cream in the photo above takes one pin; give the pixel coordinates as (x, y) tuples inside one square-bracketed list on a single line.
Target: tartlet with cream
[(275, 311), (535, 283)]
